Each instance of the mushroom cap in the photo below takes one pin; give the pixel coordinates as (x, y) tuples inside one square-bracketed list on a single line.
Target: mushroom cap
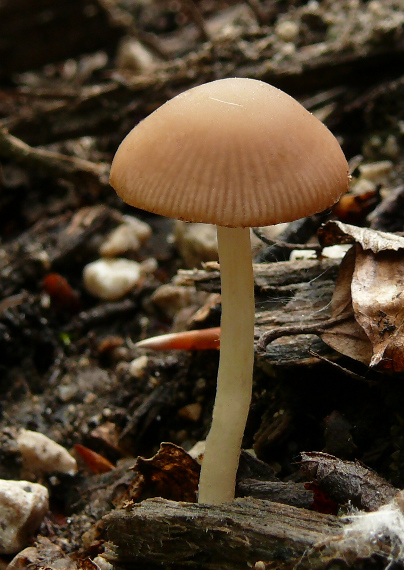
[(233, 152)]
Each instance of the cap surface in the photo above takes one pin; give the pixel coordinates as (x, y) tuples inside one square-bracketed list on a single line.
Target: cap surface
[(233, 152)]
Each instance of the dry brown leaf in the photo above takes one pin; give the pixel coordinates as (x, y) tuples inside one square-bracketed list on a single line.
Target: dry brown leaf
[(347, 337), (370, 286), (172, 474), (378, 303), (335, 232)]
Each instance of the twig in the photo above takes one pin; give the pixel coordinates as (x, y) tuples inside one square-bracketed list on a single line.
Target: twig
[(197, 18), (314, 328), (283, 244), (345, 371), (261, 17), (53, 163), (296, 233)]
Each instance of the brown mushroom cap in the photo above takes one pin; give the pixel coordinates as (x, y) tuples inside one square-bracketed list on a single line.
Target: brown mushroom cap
[(234, 152)]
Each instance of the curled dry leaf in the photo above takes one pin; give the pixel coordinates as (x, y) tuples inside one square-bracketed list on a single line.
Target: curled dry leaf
[(335, 232), (347, 337), (370, 288), (378, 304), (172, 474)]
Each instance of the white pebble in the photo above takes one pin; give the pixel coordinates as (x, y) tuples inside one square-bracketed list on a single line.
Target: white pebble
[(41, 455), (391, 147), (111, 279), (287, 30), (134, 56), (363, 186), (129, 236), (331, 252), (137, 367), (22, 508), (336, 251), (297, 254)]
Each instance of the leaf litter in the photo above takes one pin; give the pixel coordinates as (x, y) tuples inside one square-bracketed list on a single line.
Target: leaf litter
[(369, 291)]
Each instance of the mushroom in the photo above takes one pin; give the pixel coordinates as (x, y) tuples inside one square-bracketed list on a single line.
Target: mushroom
[(237, 153)]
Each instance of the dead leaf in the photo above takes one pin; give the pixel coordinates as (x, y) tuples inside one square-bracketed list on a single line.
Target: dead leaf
[(369, 289), (335, 232), (43, 556), (378, 303), (172, 474), (347, 337)]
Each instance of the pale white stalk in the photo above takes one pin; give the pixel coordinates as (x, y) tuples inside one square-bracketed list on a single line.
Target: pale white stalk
[(234, 382)]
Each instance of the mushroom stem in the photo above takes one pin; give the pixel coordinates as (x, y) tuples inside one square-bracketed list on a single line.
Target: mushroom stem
[(234, 382)]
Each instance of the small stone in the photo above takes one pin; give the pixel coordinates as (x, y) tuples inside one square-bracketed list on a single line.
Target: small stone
[(22, 508), (138, 366), (41, 455), (196, 242), (392, 147), (287, 30), (111, 279), (172, 298), (191, 412), (129, 236), (67, 392), (134, 56), (298, 254), (363, 186), (336, 251)]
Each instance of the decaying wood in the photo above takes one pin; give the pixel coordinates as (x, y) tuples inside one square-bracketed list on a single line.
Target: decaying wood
[(48, 243), (287, 493), (295, 236), (347, 481), (115, 105), (243, 534), (230, 536), (287, 294), (76, 170)]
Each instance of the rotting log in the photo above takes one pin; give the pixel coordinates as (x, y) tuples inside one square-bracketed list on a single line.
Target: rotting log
[(229, 536), (238, 535)]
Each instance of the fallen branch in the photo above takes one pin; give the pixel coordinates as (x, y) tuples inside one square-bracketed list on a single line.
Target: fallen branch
[(53, 163), (230, 536)]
